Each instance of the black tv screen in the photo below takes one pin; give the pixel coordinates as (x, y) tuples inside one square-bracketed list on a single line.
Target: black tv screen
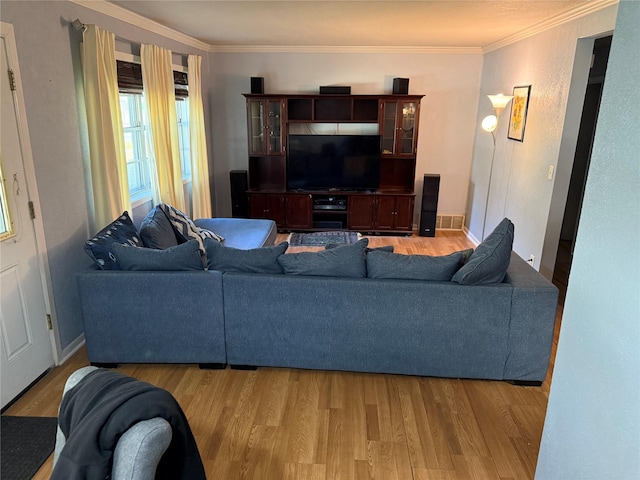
[(324, 162)]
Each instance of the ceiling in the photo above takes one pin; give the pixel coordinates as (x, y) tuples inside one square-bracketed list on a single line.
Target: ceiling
[(370, 24)]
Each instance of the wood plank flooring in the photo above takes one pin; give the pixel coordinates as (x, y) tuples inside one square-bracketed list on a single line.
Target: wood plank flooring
[(280, 423)]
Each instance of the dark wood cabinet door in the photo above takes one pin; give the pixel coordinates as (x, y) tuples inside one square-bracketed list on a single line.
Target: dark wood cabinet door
[(385, 212), (299, 211), (403, 213), (361, 212), (268, 205)]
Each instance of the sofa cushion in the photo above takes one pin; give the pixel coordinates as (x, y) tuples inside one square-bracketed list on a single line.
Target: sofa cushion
[(243, 233), (385, 248), (185, 256), (121, 230), (185, 229), (342, 261), (489, 262), (381, 264), (255, 260), (156, 230)]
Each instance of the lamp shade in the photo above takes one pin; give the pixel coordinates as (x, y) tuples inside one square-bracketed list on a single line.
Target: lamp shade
[(489, 123), (499, 101)]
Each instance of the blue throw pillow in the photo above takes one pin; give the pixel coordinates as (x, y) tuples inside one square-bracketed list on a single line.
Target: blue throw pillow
[(341, 261), (185, 256), (489, 262), (255, 260), (121, 230), (156, 230), (381, 264)]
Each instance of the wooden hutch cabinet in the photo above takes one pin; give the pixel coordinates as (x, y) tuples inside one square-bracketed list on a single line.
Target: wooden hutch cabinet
[(389, 209)]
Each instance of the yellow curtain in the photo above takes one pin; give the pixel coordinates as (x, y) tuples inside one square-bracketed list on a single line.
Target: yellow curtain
[(159, 94), (106, 138), (200, 193)]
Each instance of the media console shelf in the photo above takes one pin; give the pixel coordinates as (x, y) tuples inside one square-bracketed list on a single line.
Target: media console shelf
[(388, 209)]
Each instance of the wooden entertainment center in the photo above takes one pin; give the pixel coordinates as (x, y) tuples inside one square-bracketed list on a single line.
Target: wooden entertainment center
[(387, 209)]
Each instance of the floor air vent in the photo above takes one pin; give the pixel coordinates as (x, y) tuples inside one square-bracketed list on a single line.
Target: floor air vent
[(449, 222)]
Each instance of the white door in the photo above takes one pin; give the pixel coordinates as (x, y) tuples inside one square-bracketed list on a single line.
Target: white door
[(25, 341)]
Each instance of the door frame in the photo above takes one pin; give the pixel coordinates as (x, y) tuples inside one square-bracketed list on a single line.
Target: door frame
[(6, 32)]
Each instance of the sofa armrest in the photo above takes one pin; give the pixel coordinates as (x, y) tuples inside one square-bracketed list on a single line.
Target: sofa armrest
[(153, 317), (533, 315)]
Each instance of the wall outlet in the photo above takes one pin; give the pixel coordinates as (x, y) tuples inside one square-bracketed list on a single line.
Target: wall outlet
[(532, 258)]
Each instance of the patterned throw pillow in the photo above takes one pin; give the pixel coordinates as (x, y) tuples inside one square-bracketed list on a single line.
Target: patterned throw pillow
[(185, 229), (122, 231)]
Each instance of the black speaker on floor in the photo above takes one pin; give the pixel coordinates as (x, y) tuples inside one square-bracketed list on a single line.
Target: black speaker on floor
[(239, 187), (257, 85), (430, 189)]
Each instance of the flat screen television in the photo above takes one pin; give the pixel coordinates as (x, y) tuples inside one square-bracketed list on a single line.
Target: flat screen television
[(325, 162)]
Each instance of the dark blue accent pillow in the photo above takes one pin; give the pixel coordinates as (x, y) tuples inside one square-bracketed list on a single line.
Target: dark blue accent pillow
[(341, 261), (489, 262), (381, 264), (121, 230), (255, 260), (185, 256), (156, 230)]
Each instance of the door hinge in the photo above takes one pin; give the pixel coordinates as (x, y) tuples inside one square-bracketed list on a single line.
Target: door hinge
[(12, 80), (32, 210), (49, 324)]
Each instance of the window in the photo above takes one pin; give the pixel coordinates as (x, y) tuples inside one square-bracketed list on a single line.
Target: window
[(182, 111), (135, 145), (136, 130), (6, 230)]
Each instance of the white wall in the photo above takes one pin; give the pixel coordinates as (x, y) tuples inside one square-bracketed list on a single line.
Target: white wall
[(592, 428), (520, 189), (449, 82)]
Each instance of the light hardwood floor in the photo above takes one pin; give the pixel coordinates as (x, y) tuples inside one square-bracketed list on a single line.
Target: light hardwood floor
[(280, 423)]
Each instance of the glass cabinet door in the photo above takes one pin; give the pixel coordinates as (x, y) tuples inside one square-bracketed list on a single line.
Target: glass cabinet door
[(389, 115), (407, 139), (256, 127), (275, 126)]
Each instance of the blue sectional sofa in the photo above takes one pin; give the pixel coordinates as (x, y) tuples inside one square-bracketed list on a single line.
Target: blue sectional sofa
[(163, 316), (500, 330)]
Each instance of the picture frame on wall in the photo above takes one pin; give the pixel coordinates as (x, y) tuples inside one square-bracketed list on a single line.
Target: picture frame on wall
[(519, 107)]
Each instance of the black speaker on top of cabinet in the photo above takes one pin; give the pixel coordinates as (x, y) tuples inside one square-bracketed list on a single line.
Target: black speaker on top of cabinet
[(257, 85), (401, 86), (239, 187), (429, 209)]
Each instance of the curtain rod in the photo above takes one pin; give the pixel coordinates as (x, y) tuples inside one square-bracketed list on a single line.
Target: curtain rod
[(79, 26)]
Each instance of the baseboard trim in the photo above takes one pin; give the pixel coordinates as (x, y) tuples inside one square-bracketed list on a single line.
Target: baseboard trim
[(72, 348)]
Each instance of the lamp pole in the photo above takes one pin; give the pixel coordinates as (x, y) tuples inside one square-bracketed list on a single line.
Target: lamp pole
[(490, 124)]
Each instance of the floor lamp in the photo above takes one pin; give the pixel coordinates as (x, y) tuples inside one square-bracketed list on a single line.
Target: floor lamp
[(489, 124)]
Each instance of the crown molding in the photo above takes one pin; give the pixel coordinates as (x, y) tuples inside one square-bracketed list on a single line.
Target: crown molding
[(568, 16), (115, 11), (341, 49), (128, 16)]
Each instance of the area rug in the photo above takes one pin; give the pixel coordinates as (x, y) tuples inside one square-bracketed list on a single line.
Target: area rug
[(319, 239), (25, 444)]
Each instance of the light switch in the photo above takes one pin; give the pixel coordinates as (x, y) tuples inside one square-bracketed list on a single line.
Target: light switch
[(550, 174)]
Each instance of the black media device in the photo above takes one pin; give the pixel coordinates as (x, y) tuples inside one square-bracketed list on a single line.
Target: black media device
[(326, 162)]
